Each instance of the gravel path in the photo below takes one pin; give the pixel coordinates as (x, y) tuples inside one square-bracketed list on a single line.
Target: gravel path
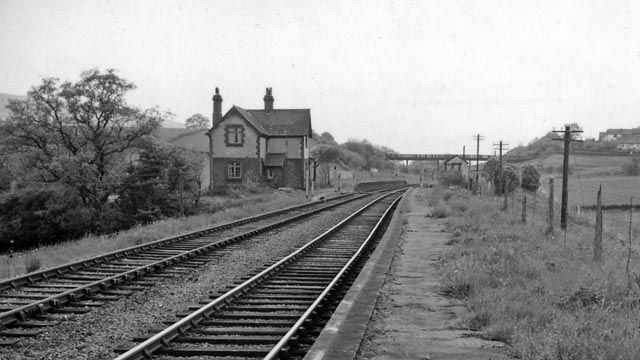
[(94, 335)]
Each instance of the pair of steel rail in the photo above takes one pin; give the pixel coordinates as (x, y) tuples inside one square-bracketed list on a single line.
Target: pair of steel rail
[(73, 294), (309, 265)]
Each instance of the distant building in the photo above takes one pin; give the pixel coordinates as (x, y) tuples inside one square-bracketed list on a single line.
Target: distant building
[(628, 143), (618, 134), (625, 139), (456, 163), (258, 145)]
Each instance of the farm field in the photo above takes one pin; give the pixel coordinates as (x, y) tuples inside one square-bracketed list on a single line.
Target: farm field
[(582, 165), (583, 190)]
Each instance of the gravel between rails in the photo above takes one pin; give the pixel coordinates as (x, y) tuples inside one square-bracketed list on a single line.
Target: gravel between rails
[(94, 335)]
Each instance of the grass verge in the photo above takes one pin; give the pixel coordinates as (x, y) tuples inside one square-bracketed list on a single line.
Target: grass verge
[(224, 210), (541, 294)]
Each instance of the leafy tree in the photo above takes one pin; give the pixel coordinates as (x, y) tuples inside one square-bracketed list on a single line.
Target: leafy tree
[(327, 138), (575, 127), (374, 156), (510, 178), (530, 178), (325, 153), (163, 177), (353, 159), (324, 156), (77, 134), (197, 121)]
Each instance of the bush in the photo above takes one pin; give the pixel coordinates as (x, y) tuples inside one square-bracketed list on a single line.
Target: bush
[(32, 217), (451, 178), (530, 178), (32, 263), (441, 210)]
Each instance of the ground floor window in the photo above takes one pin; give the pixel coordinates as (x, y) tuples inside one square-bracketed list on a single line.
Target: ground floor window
[(234, 170), (269, 174)]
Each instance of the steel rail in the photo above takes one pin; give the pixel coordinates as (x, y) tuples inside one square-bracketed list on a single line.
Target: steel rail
[(275, 351), (48, 273), (149, 346), (86, 290)]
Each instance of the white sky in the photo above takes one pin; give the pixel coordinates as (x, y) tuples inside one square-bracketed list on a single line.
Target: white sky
[(416, 76)]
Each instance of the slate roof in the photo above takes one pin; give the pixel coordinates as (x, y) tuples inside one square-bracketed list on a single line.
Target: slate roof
[(279, 122)]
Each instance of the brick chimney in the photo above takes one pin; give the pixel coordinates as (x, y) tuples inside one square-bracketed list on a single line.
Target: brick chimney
[(268, 100), (217, 108)]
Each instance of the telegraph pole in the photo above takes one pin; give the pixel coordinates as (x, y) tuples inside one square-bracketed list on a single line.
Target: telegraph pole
[(565, 172), (501, 146), (477, 138)]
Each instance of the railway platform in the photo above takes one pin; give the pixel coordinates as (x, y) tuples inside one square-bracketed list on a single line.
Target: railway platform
[(394, 309)]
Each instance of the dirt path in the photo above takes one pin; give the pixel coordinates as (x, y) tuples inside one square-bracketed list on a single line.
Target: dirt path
[(411, 319)]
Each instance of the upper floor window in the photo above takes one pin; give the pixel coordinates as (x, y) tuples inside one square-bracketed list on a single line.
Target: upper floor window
[(234, 135)]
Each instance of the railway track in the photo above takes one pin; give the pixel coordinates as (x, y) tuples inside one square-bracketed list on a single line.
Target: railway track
[(34, 300), (278, 312)]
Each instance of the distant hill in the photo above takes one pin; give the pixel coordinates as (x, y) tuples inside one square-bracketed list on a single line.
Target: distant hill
[(193, 139), (170, 124), (4, 101), (548, 145)]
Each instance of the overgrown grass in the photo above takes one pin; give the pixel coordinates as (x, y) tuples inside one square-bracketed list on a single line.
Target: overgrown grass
[(541, 294), (223, 210)]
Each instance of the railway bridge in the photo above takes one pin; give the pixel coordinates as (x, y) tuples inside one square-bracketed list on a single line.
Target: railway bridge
[(434, 157)]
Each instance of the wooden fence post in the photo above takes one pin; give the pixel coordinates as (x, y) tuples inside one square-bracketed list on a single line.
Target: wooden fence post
[(550, 228), (524, 208), (630, 223), (597, 242)]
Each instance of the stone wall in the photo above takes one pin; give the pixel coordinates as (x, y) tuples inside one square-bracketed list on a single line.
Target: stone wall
[(250, 171), (294, 173)]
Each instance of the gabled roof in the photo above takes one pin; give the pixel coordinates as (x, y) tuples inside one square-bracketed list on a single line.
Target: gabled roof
[(455, 160), (277, 122)]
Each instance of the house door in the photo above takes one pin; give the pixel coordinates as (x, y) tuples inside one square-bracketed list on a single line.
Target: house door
[(274, 176)]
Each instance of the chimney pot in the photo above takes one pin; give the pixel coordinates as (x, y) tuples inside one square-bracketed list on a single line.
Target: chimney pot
[(268, 100), (217, 107)]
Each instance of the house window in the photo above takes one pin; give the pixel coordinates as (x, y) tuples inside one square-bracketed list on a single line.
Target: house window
[(234, 170), (269, 174), (234, 135)]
